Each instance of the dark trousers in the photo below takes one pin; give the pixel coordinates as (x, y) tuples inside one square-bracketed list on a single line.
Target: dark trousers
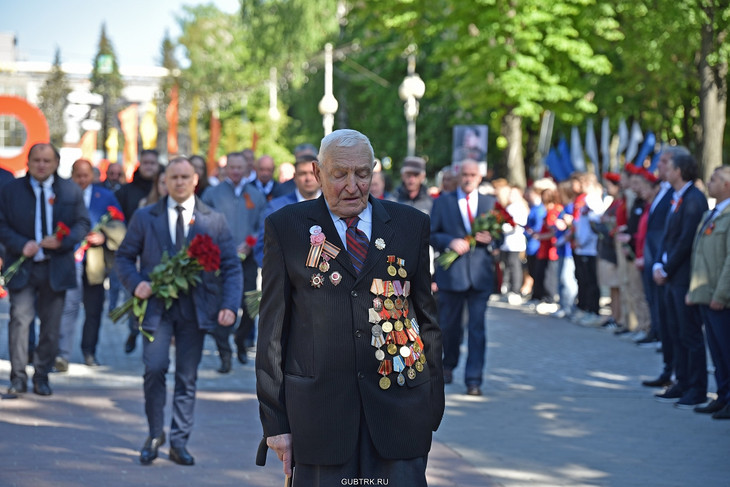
[(365, 467), (451, 304), (93, 307), (717, 328), (657, 297), (178, 321), (245, 329), (512, 271), (685, 328), (22, 313), (586, 275)]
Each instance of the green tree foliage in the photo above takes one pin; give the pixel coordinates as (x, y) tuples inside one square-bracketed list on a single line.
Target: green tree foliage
[(107, 81), (52, 100)]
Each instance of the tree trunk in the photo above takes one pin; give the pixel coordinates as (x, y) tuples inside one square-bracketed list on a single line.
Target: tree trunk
[(515, 162), (713, 98)]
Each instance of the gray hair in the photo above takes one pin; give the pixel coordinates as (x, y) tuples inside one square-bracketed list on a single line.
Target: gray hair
[(344, 138)]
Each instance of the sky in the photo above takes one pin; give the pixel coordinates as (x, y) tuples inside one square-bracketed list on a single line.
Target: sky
[(135, 27)]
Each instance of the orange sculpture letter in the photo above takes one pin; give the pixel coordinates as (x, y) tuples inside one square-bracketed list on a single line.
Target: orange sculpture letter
[(36, 129)]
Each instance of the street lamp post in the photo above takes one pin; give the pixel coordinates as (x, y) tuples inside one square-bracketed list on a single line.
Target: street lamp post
[(410, 91), (328, 104)]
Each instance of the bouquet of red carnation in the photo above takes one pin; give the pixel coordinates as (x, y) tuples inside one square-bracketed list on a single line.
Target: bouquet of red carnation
[(60, 232), (112, 213), (486, 222), (173, 276)]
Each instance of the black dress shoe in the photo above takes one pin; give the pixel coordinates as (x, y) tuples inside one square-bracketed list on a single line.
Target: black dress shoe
[(448, 376), (42, 388), (672, 394), (225, 363), (181, 456), (131, 343), (723, 413), (242, 357), (90, 361), (658, 382), (149, 450), (713, 407), (473, 391), (18, 386)]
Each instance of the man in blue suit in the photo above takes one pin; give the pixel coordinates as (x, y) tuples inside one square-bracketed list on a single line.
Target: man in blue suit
[(166, 227), (30, 210), (307, 188), (470, 278), (672, 271), (92, 265), (656, 224)]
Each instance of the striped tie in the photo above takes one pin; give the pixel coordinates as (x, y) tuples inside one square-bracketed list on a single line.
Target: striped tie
[(357, 243)]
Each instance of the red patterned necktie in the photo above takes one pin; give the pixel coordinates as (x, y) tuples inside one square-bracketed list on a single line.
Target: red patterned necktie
[(468, 210), (357, 243)]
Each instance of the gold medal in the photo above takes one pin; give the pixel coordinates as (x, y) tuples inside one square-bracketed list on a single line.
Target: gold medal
[(387, 327), (417, 348), (384, 383), (388, 304), (379, 354), (411, 373), (402, 273), (419, 365), (398, 325), (391, 270), (392, 348), (401, 380), (324, 266), (422, 359), (407, 324)]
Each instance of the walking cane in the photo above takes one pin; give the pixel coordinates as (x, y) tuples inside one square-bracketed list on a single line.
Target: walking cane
[(261, 461)]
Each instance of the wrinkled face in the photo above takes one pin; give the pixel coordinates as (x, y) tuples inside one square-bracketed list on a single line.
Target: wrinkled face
[(148, 166), (236, 168), (181, 180), (83, 175), (345, 176), (470, 177), (265, 169), (42, 163), (114, 173), (305, 180)]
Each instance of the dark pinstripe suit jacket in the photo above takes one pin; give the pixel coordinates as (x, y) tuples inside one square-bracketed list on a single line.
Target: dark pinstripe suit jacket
[(315, 366)]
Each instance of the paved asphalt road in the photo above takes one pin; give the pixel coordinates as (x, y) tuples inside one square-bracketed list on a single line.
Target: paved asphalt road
[(563, 406)]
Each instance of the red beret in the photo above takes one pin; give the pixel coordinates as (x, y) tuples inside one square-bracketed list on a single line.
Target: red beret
[(632, 169), (612, 176), (649, 176)]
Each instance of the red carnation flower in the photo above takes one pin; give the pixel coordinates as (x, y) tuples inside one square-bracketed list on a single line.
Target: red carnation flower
[(251, 241), (62, 230), (114, 213)]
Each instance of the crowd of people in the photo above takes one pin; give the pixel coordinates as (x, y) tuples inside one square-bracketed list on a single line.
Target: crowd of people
[(645, 244)]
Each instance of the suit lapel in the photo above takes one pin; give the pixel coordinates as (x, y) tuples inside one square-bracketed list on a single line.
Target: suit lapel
[(380, 229), (162, 226), (455, 210), (324, 220)]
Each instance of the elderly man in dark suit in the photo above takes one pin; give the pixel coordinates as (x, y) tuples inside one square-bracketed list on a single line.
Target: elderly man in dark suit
[(348, 368), (30, 210), (470, 279), (166, 227), (671, 269)]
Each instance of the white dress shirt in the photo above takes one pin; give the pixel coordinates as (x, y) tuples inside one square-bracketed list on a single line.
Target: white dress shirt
[(188, 209)]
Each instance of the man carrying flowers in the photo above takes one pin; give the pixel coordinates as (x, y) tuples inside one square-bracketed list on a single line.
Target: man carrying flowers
[(42, 218), (189, 280)]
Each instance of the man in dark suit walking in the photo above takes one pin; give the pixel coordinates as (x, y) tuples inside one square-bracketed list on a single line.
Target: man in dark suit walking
[(166, 227), (469, 279), (30, 210), (671, 269), (349, 375)]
